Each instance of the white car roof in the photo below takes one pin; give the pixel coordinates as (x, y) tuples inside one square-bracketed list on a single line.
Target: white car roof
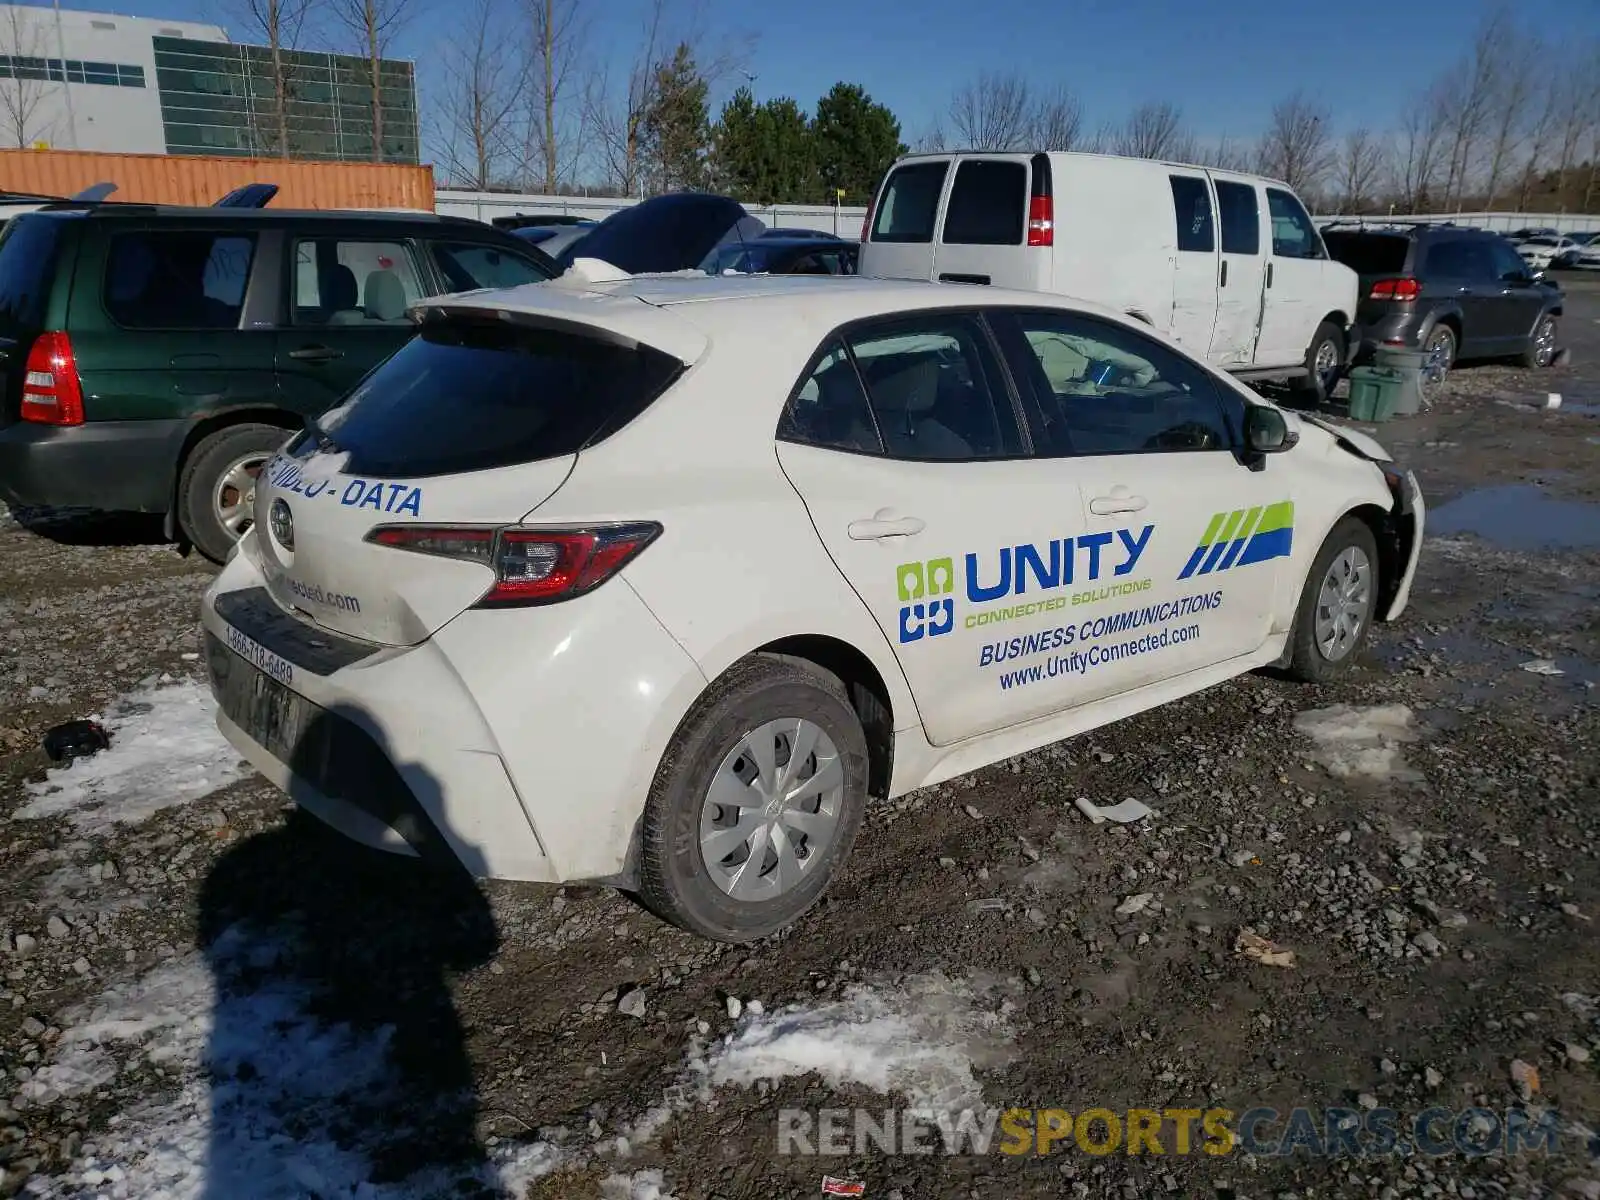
[(677, 313)]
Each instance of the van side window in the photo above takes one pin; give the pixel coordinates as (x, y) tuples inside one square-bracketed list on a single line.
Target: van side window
[(1105, 389), (159, 279), (1191, 203), (910, 203), (936, 389), (1241, 218), (988, 204), (1293, 234), (829, 409)]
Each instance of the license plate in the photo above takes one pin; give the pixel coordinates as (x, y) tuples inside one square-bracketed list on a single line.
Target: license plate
[(269, 713)]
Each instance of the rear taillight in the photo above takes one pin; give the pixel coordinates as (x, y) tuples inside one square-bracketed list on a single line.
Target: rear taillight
[(1395, 289), (1041, 221), (51, 391), (531, 566)]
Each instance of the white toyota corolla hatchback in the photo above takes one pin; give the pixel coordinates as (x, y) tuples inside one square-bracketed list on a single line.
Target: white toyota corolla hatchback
[(654, 581)]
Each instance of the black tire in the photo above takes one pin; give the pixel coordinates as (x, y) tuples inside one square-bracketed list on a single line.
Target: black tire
[(202, 474), (675, 882), (1531, 357), (1316, 387), (1309, 661)]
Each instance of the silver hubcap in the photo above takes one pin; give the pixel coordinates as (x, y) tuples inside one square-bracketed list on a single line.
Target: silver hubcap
[(234, 500), (772, 810), (1326, 362), (1544, 342), (1441, 351), (1342, 603)]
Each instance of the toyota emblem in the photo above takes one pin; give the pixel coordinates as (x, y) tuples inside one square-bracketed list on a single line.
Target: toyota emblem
[(282, 524)]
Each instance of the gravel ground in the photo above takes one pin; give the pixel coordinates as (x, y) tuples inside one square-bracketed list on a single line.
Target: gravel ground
[(205, 995)]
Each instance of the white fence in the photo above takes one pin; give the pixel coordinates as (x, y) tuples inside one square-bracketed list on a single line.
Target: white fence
[(846, 220), (485, 206)]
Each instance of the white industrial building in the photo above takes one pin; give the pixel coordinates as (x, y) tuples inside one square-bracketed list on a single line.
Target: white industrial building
[(74, 80)]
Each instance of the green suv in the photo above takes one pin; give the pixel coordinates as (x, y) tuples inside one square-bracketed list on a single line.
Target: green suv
[(154, 358)]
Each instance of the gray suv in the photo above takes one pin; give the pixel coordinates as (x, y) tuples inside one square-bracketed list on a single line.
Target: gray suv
[(1455, 292)]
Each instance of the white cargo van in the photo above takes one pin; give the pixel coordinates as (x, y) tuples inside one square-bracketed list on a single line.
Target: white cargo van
[(1228, 265)]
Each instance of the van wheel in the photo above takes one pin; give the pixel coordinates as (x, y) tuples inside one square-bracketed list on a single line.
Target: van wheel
[(1324, 358), (217, 487), (756, 803), (1336, 604)]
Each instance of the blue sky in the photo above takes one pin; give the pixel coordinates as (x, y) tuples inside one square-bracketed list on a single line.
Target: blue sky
[(1224, 62)]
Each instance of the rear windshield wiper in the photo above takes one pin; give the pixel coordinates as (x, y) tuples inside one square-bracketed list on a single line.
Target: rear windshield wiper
[(319, 435)]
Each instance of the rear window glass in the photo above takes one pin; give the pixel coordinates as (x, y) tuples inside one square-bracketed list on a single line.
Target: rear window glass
[(1368, 253), (910, 203), (988, 204), (177, 280), (468, 397), (27, 266)]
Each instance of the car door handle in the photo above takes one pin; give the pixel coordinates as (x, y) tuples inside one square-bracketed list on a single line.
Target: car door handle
[(1106, 506), (1224, 282), (316, 354), (884, 525), (1269, 274)]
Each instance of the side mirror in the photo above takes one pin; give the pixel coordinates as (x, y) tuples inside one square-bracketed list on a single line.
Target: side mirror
[(1266, 431)]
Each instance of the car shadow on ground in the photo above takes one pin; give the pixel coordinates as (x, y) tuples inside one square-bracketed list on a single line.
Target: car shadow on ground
[(336, 1054), (86, 527)]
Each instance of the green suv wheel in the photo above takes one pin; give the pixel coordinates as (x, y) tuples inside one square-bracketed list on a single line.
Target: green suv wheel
[(217, 488)]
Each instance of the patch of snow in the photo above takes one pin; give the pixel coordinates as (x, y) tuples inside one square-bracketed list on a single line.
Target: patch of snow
[(1361, 742), (262, 1084), (165, 750), (641, 1185)]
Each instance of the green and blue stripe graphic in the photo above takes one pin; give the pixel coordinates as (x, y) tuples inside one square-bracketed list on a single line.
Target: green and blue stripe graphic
[(1242, 537)]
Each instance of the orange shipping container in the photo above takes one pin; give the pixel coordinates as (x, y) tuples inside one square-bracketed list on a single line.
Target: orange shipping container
[(182, 179)]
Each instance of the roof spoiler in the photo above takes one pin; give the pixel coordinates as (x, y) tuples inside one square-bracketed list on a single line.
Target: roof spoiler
[(94, 194), (251, 195)]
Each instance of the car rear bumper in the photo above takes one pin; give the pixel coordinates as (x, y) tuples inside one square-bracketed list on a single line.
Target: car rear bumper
[(521, 742), (115, 466)]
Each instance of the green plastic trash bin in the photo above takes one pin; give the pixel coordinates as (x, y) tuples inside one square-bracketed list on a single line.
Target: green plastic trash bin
[(1374, 392), (1409, 366)]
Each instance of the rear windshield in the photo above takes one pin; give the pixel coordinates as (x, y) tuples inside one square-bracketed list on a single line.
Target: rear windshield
[(1368, 253), (988, 204), (910, 203), (28, 247), (469, 397)]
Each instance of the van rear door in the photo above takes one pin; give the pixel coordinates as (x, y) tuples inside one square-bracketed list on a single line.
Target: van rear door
[(997, 224), (898, 240)]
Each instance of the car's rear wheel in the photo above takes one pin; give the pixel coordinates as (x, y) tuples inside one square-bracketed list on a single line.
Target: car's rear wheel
[(1324, 358), (1441, 351), (217, 488), (1336, 604), (756, 803), (1541, 351)]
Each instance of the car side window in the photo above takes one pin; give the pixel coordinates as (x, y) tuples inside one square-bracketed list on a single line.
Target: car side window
[(469, 266), (1449, 260), (160, 279), (1293, 234), (1106, 389), (1241, 217), (1505, 261), (1191, 203), (936, 389), (829, 408), (340, 281)]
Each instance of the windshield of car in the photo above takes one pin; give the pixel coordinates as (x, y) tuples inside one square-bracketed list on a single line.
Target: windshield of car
[(470, 396), (1368, 253)]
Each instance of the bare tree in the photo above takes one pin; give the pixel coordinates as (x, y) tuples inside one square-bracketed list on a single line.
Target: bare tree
[(1055, 121), (20, 98), (992, 112), (559, 31), (374, 24), (1361, 162), (1224, 154), (1153, 131), (1468, 93), (485, 81), (279, 24), (1542, 133), (1514, 82), (1421, 150), (1296, 146)]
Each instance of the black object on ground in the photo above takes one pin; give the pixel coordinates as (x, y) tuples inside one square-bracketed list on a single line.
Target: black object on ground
[(75, 739)]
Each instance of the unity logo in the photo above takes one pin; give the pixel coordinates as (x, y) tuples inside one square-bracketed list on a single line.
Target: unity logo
[(921, 614)]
